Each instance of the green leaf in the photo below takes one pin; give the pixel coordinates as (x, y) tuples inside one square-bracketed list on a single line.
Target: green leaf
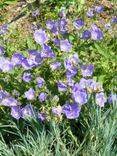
[(30, 43), (103, 51), (8, 2), (71, 38)]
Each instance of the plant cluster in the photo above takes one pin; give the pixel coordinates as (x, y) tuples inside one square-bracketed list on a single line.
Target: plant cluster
[(52, 80)]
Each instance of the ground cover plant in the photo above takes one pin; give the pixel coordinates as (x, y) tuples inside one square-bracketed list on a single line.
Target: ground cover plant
[(58, 80)]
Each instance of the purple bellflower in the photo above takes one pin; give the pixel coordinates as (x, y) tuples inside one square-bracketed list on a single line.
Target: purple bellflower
[(114, 20), (16, 112), (71, 111), (96, 33), (65, 46), (27, 77), (17, 59), (43, 96), (40, 36), (99, 9), (35, 13), (62, 87), (30, 94), (55, 65), (80, 97), (86, 34), (27, 111), (87, 70), (78, 23), (90, 14), (49, 24), (40, 82), (47, 52), (100, 99), (42, 117)]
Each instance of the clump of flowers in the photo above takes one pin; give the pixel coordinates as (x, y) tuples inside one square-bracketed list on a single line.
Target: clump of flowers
[(53, 70)]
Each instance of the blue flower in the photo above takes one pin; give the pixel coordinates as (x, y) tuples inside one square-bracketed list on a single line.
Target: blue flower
[(99, 9), (17, 59), (30, 94), (43, 96), (28, 63), (27, 111), (96, 33), (16, 112), (78, 23), (6, 65), (56, 41), (108, 26), (65, 46), (27, 77), (70, 65), (70, 82), (90, 14), (80, 97), (114, 20), (86, 34), (100, 99), (34, 26), (35, 57), (47, 52), (35, 13), (55, 65), (87, 70), (42, 117), (40, 82), (71, 111), (61, 86), (49, 24), (62, 13), (40, 36), (8, 100)]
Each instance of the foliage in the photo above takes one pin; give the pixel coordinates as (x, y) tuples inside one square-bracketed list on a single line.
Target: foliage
[(4, 3), (96, 135)]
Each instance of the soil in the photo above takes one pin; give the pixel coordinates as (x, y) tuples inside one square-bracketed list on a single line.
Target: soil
[(23, 23)]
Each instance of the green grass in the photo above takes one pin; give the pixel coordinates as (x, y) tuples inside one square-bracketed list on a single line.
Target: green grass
[(96, 135)]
